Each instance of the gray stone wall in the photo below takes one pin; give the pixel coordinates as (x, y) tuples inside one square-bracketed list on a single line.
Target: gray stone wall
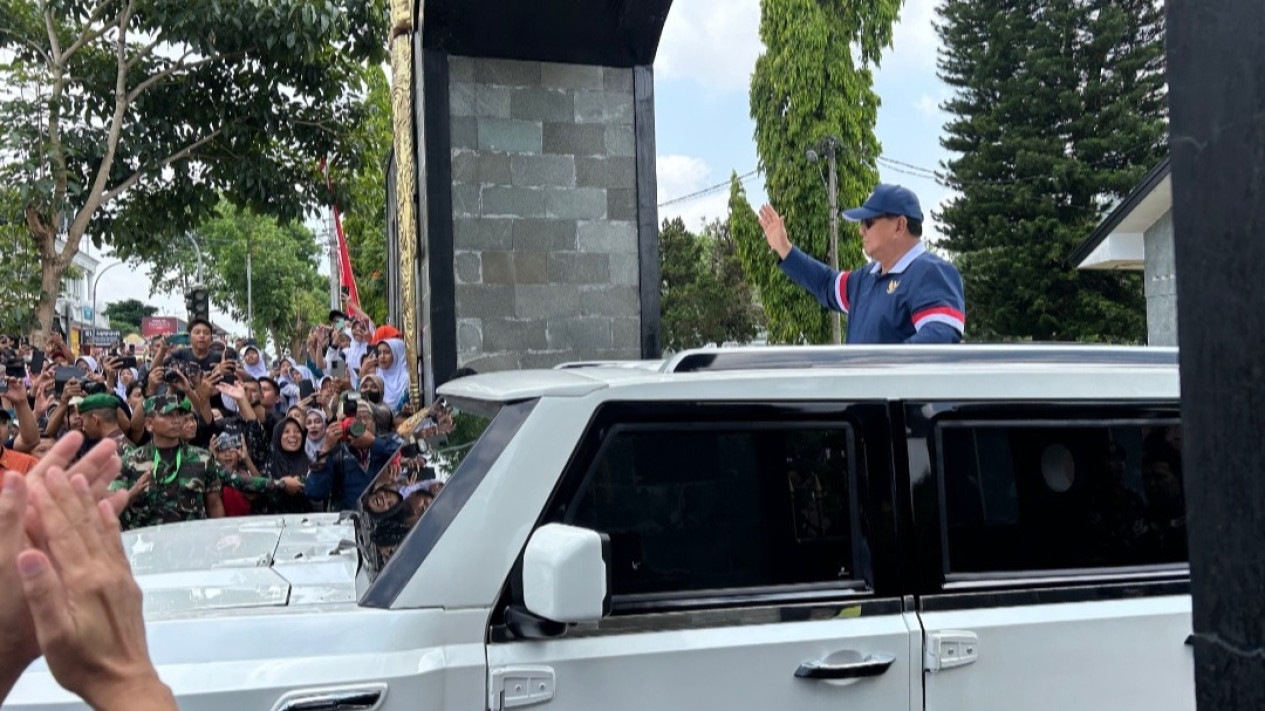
[(544, 213), (1161, 283)]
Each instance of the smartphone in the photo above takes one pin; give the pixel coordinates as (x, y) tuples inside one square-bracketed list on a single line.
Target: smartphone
[(338, 368), (128, 362), (306, 389), (15, 369), (37, 361), (178, 339), (65, 374)]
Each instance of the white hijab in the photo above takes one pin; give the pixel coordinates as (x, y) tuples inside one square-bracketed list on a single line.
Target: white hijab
[(120, 388), (313, 446), (258, 370), (395, 382)]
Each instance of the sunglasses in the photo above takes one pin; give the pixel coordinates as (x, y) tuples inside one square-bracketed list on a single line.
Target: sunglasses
[(869, 221)]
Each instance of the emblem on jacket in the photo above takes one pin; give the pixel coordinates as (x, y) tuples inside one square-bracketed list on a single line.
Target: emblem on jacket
[(891, 286)]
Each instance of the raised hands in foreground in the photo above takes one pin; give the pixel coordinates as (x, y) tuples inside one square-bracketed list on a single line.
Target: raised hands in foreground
[(70, 593)]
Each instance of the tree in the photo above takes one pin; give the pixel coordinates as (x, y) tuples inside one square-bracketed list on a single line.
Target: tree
[(125, 120), (19, 281), (289, 296), (365, 206), (1056, 112), (126, 315), (704, 296), (808, 86)]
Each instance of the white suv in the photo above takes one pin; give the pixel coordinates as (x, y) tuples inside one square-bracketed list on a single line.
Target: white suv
[(966, 527)]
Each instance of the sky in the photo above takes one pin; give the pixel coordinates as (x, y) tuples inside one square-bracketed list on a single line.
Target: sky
[(703, 125)]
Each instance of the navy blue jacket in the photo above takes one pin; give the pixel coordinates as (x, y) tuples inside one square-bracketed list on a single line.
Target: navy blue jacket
[(919, 301)]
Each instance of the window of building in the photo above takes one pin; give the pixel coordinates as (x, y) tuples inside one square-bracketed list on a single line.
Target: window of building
[(724, 506), (1039, 497)]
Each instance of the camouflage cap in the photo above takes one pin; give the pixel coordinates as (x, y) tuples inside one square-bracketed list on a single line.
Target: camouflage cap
[(166, 404), (100, 401)]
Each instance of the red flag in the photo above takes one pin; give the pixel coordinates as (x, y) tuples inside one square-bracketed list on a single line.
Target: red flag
[(345, 275)]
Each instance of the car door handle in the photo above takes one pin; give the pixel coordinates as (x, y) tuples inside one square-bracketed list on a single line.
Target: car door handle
[(872, 665), (341, 699)]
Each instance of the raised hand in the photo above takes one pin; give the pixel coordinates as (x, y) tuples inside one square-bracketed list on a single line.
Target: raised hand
[(774, 231), (83, 601)]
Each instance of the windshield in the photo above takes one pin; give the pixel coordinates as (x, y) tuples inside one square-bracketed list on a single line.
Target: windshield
[(437, 441)]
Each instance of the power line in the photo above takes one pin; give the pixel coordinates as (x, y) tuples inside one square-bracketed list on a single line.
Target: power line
[(708, 190)]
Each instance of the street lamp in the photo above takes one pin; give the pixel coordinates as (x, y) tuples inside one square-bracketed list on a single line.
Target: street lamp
[(96, 281), (829, 144), (197, 249)]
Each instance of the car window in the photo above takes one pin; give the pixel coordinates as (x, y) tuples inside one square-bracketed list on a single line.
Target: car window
[(401, 493), (1031, 497), (722, 506)]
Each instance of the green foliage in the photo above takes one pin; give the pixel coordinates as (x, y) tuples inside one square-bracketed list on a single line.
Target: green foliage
[(19, 280), (807, 86), (126, 315), (1055, 114), (365, 206), (704, 296), (289, 296), (127, 121)]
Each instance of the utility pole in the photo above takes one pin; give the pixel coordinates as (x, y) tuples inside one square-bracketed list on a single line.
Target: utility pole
[(830, 143), (250, 297), (836, 326), (334, 302)]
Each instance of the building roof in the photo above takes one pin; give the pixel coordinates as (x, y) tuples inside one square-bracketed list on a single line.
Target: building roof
[(613, 33), (1117, 241)]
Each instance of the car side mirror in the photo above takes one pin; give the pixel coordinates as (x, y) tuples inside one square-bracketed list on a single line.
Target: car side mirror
[(566, 574)]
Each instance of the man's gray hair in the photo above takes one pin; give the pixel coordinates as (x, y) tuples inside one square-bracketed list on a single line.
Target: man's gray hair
[(383, 419)]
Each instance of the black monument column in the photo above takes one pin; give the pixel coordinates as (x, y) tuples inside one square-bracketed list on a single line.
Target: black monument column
[(1216, 70)]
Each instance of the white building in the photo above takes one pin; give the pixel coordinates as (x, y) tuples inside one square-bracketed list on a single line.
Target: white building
[(74, 303)]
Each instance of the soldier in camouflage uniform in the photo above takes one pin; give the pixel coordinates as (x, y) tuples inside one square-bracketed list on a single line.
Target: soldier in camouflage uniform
[(168, 480)]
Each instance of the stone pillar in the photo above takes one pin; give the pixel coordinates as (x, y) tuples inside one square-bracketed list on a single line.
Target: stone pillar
[(1217, 138), (546, 249)]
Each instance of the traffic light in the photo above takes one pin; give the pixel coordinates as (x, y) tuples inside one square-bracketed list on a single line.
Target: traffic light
[(197, 303)]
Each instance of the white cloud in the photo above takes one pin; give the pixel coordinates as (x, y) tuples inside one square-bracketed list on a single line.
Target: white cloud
[(683, 175), (931, 231), (928, 106), (914, 39), (713, 42)]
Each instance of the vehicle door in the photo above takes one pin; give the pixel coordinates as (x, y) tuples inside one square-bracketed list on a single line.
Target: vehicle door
[(1054, 543), (743, 545)]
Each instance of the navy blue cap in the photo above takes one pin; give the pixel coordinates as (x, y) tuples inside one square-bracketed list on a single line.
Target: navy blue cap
[(887, 200)]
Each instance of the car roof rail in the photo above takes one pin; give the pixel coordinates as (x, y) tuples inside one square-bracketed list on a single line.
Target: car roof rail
[(785, 357)]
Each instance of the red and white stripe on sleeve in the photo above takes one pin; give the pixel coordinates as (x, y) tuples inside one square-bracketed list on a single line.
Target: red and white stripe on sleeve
[(841, 290), (940, 314)]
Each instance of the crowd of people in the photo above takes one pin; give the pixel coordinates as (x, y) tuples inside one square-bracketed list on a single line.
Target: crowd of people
[(213, 428)]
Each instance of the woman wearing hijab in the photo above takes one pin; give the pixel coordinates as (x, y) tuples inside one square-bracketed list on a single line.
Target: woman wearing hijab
[(394, 373), (289, 458), (314, 422), (127, 376), (253, 362)]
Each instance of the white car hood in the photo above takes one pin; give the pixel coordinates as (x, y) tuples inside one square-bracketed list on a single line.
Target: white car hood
[(244, 562)]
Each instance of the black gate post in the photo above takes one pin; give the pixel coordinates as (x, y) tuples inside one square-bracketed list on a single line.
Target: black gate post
[(1216, 70)]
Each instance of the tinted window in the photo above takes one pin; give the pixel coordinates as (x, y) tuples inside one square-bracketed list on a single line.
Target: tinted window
[(1049, 497), (718, 507)]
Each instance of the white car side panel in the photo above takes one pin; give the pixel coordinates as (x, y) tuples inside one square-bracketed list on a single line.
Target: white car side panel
[(1114, 655), (742, 667), (427, 658)]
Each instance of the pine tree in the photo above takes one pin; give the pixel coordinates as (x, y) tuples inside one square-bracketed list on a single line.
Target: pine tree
[(806, 86), (704, 296), (1058, 110)]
